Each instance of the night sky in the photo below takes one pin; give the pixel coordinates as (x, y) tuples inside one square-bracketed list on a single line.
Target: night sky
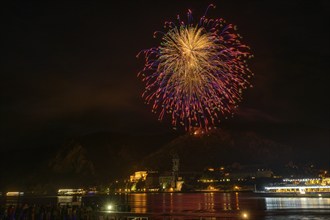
[(70, 68)]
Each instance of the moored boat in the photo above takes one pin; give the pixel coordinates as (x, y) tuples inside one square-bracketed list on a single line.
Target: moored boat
[(297, 188), (293, 190)]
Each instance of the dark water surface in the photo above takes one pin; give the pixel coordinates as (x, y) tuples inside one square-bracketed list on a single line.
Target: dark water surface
[(206, 205), (231, 206)]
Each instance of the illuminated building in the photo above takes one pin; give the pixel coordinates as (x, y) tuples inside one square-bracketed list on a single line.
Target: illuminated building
[(138, 176)]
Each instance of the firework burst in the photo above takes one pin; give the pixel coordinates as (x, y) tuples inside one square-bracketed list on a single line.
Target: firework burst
[(197, 74)]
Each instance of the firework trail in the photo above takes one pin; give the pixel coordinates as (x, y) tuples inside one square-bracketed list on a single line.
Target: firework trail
[(197, 74)]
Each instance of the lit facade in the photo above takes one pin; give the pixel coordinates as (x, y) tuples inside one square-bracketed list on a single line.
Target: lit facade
[(138, 176)]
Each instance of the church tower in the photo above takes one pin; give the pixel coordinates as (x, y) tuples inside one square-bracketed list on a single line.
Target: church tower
[(175, 170)]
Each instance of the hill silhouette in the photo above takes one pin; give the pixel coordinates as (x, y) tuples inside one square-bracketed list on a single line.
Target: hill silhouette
[(217, 148), (99, 158)]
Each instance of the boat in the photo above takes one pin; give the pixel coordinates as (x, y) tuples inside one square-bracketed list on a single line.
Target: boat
[(294, 190), (71, 192), (305, 187)]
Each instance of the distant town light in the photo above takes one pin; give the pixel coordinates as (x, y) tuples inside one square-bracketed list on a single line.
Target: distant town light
[(14, 193), (245, 215), (109, 207)]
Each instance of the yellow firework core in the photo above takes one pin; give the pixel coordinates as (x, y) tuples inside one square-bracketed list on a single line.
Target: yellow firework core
[(185, 58)]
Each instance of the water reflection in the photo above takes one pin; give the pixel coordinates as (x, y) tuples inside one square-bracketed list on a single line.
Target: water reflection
[(226, 201), (184, 202), (209, 201), (297, 203), (207, 205), (140, 202), (236, 201), (69, 200)]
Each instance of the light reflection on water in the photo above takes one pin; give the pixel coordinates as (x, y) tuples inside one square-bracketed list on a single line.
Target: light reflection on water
[(184, 202), (297, 203), (212, 205), (73, 200), (140, 201), (233, 204)]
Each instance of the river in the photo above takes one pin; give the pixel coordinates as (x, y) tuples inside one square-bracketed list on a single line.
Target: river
[(208, 205)]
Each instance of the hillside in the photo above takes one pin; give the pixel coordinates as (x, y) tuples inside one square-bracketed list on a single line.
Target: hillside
[(218, 148), (99, 158)]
